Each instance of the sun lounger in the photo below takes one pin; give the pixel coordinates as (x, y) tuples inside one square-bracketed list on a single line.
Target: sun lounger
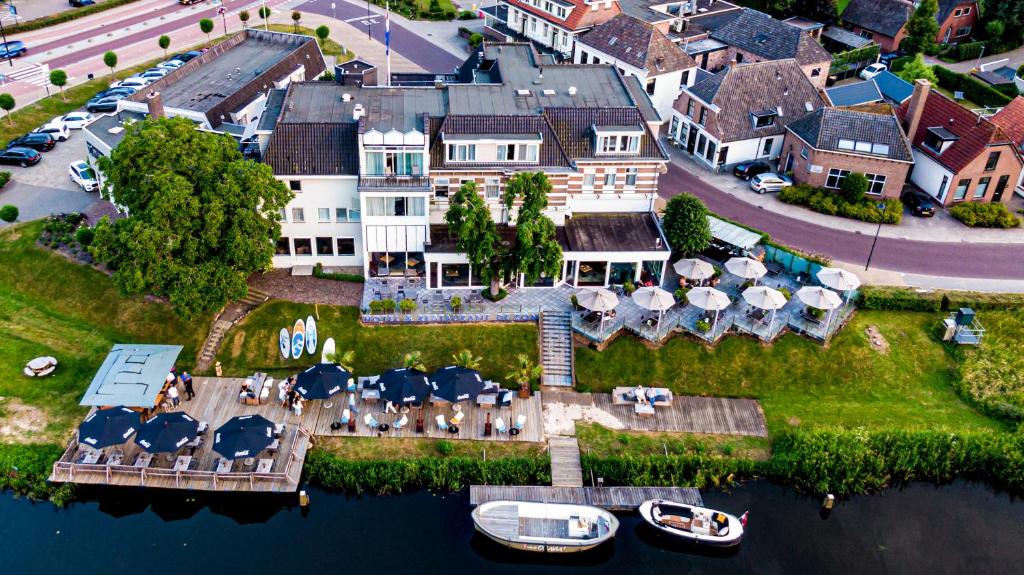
[(401, 422), (499, 425), (224, 465), (371, 421), (441, 425), (144, 460), (182, 463), (264, 465), (91, 457), (265, 392)]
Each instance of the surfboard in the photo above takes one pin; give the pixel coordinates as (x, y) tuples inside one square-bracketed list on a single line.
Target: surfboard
[(328, 351), (310, 335), (298, 339), (284, 340)]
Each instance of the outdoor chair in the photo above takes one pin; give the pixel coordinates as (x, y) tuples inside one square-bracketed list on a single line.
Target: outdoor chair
[(457, 418), (346, 415), (279, 430), (203, 428), (505, 399), (371, 421), (499, 425), (520, 422), (441, 425), (401, 422)]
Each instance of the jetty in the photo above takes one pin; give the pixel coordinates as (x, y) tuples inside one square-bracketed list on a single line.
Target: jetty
[(610, 498)]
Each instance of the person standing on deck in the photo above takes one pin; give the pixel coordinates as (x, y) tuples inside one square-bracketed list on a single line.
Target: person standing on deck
[(186, 378)]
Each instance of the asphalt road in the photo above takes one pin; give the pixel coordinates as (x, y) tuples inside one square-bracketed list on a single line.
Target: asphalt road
[(977, 260)]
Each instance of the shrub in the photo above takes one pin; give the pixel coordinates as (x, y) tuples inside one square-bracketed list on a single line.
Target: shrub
[(825, 202), (898, 64), (318, 271), (445, 447), (407, 305), (574, 301), (973, 90), (85, 235), (628, 288), (704, 325), (4, 178), (475, 40), (898, 299), (467, 15), (9, 213), (681, 294), (786, 293), (486, 294), (456, 303), (978, 215), (853, 187), (968, 51)]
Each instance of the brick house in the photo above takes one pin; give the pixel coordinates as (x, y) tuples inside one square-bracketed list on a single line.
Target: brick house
[(1011, 120), (825, 146), (959, 156), (741, 113), (884, 21)]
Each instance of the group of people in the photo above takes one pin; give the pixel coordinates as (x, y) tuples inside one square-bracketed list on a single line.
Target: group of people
[(171, 387), (289, 397)]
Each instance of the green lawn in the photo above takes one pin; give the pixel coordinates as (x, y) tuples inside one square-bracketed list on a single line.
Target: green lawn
[(50, 306), (252, 345), (800, 383), (603, 442)]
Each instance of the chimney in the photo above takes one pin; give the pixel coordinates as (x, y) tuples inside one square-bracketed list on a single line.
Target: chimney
[(358, 112), (155, 104), (916, 106)]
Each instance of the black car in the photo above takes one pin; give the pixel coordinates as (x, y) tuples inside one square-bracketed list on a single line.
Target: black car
[(41, 141), (889, 57), (186, 56), (105, 103), (920, 203), (80, 3), (748, 170), (23, 157)]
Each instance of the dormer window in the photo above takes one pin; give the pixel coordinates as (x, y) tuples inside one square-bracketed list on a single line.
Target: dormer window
[(618, 144), (939, 139), (764, 119), (861, 146)]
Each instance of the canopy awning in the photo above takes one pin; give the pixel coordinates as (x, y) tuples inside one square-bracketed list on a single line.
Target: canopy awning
[(732, 234), (132, 375)]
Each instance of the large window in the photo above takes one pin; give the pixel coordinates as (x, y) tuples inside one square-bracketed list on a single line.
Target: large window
[(303, 247), (324, 246), (492, 188), (592, 273), (517, 152), (388, 206), (283, 247), (876, 183), (454, 275), (346, 246), (622, 273), (982, 188), (992, 162), (961, 189), (764, 119), (394, 164), (461, 152), (650, 272), (618, 144), (835, 178)]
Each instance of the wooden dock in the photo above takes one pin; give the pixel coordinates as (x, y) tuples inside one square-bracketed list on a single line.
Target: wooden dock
[(566, 470), (687, 414), (611, 498)]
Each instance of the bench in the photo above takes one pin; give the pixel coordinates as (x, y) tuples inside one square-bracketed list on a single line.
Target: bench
[(625, 396)]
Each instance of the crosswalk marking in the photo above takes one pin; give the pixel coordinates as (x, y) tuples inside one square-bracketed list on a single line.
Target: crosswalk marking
[(35, 74)]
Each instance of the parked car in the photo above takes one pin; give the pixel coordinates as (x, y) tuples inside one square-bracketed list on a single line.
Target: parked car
[(186, 56), (919, 203), (872, 71), (57, 129), (154, 76), (105, 103), (747, 170), (171, 64), (23, 157), (769, 182), (133, 82), (74, 120), (35, 140), (125, 90), (80, 3), (80, 173), (889, 57), (12, 49)]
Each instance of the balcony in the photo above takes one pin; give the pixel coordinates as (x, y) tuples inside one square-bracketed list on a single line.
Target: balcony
[(395, 183)]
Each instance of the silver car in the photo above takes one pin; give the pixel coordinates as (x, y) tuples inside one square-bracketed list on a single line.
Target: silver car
[(769, 182)]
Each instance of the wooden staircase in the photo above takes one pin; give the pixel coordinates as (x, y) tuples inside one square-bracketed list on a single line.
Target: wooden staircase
[(556, 348), (229, 316), (566, 470)]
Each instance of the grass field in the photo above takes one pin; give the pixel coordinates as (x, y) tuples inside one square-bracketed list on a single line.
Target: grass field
[(372, 448), (802, 384), (252, 345), (603, 442), (50, 306)]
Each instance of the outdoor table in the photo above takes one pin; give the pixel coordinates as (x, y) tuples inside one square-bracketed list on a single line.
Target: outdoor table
[(275, 445), (453, 429), (144, 460), (264, 466), (514, 431), (224, 465), (383, 427), (643, 409), (182, 463), (757, 314), (90, 457), (371, 395), (116, 458), (249, 461), (487, 400)]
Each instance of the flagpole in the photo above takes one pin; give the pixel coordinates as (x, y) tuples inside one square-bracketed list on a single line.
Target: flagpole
[(387, 38)]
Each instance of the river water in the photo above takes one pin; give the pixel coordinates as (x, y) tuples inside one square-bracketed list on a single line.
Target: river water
[(960, 528)]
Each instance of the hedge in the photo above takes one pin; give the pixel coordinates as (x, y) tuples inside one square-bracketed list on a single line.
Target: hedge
[(967, 51), (973, 90), (906, 299), (65, 16), (318, 271), (898, 64), (825, 202), (978, 215), (24, 469)]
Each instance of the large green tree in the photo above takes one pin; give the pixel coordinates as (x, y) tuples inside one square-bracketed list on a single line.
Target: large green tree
[(686, 224), (916, 69), (922, 27), (201, 218), (1011, 14)]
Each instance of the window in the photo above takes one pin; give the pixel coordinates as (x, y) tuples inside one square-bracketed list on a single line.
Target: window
[(341, 215), (295, 185), (876, 183), (441, 187), (979, 192), (967, 11), (650, 86), (583, 57), (609, 180), (835, 178), (491, 188), (815, 72), (506, 153), (517, 152), (324, 215), (354, 211), (588, 182), (303, 247), (767, 149), (993, 161), (867, 34), (764, 119), (804, 152), (618, 144), (703, 116), (957, 13), (462, 152), (324, 247), (395, 206), (282, 216), (846, 144), (283, 247), (394, 164), (689, 109), (631, 177), (961, 189), (346, 246), (965, 31), (685, 80), (298, 215)]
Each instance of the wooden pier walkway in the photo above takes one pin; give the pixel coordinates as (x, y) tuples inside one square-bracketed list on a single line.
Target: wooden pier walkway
[(566, 470), (611, 498)]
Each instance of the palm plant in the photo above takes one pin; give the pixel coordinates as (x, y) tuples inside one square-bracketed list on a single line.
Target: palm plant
[(414, 360), (523, 372), (466, 359), (346, 360)]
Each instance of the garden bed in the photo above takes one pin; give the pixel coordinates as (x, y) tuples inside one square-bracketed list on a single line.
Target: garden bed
[(825, 202), (977, 215)]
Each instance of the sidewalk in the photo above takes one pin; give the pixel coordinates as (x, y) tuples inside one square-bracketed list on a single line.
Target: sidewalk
[(941, 228), (924, 282), (1014, 58)]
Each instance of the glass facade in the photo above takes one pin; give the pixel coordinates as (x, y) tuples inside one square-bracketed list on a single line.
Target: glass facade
[(592, 273)]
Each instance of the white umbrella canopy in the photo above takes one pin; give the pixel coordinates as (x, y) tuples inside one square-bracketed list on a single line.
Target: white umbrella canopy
[(746, 268), (598, 299), (764, 297), (819, 297), (694, 269), (653, 298), (708, 298), (838, 279)]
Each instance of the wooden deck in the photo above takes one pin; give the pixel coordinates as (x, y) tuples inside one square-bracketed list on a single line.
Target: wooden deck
[(611, 498), (688, 414), (566, 470), (216, 402), (472, 426)]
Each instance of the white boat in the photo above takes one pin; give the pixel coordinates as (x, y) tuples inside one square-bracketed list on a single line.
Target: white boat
[(692, 523), (545, 527)]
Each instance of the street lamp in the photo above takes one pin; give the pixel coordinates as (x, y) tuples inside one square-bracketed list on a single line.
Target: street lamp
[(368, 21), (223, 11), (881, 207)]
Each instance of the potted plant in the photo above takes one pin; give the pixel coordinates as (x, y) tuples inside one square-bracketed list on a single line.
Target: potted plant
[(704, 325), (628, 288), (523, 372), (456, 303), (681, 294), (466, 359), (407, 305), (575, 302)]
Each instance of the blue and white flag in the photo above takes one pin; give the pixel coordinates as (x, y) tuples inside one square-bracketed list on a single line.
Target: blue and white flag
[(387, 29)]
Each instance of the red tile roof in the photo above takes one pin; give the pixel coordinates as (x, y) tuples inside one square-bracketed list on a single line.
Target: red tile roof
[(975, 134), (1011, 120)]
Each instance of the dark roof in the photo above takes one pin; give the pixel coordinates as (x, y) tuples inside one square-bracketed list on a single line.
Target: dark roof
[(445, 241), (1001, 75), (853, 94), (272, 109), (551, 153), (705, 22), (760, 34), (313, 148), (572, 126), (101, 126), (947, 6), (498, 11), (744, 89), (844, 37), (638, 44), (825, 127), (630, 232), (886, 17), (640, 98), (804, 24), (892, 87), (975, 133)]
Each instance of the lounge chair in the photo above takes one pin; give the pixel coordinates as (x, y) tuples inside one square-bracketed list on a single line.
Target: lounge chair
[(441, 425), (499, 425), (401, 422), (345, 416), (520, 422), (371, 421), (457, 418)]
